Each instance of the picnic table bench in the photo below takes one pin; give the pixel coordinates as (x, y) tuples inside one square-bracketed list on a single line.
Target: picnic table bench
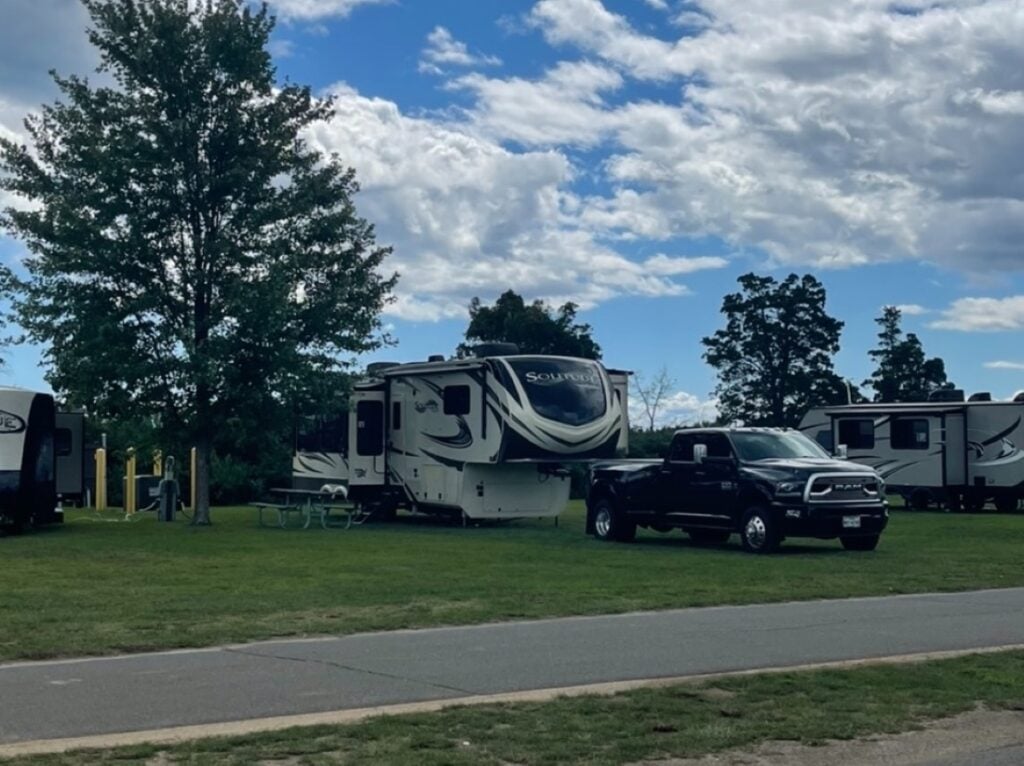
[(309, 504)]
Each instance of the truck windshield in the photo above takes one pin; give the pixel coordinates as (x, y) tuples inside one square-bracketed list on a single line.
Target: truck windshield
[(568, 391), (766, 445)]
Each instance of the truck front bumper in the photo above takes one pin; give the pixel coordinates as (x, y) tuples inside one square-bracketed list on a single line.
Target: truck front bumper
[(800, 520)]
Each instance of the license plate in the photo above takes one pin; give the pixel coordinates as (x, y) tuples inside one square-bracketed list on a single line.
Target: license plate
[(851, 522)]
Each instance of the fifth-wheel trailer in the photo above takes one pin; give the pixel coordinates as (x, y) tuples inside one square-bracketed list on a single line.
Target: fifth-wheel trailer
[(960, 453), (487, 437), (28, 492)]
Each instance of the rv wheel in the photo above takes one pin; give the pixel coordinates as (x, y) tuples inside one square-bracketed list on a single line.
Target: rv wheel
[(974, 503), (609, 523), (1007, 503), (920, 499), (12, 526)]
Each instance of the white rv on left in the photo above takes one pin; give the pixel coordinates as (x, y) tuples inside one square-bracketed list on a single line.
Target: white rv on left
[(28, 491)]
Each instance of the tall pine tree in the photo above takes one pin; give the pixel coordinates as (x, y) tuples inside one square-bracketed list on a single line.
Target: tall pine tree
[(903, 373), (193, 259)]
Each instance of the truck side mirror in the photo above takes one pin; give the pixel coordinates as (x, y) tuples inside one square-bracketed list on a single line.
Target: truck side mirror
[(842, 452), (700, 452)]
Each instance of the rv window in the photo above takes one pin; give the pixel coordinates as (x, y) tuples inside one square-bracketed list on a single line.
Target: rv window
[(909, 433), (456, 400), (370, 428), (396, 416), (62, 441), (570, 391), (857, 434)]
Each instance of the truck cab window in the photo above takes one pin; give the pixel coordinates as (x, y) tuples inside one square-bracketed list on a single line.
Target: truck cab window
[(857, 434), (718, 445), (909, 433)]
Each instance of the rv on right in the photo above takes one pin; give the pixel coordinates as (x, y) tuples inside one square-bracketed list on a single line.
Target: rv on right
[(948, 450)]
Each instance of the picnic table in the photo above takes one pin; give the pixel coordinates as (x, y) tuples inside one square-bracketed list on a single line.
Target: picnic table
[(312, 503)]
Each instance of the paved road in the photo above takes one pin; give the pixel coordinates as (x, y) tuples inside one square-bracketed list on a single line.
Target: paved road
[(119, 694)]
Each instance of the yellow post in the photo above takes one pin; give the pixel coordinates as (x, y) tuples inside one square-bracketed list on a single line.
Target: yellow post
[(158, 463), (129, 480), (192, 478), (101, 479)]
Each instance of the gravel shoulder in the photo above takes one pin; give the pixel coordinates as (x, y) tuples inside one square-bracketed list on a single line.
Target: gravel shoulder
[(980, 736)]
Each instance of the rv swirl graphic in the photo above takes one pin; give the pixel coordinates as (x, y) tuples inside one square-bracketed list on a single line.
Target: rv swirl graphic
[(11, 423)]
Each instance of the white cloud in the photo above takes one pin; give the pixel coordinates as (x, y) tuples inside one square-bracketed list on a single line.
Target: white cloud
[(680, 408), (281, 48), (983, 315), (824, 133), (309, 10), (588, 24), (669, 266), (563, 107), (658, 5), (1003, 365), (911, 309), (470, 217), (444, 50)]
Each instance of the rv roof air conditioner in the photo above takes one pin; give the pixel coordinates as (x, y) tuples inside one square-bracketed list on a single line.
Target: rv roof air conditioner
[(495, 349), (435, 358), (1019, 396), (981, 396), (946, 395), (376, 368)]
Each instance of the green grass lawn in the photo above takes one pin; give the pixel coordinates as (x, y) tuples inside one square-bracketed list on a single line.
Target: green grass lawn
[(674, 721), (100, 585)]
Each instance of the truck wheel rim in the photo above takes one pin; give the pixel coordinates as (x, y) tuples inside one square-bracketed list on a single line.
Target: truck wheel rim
[(756, 532), (603, 522)]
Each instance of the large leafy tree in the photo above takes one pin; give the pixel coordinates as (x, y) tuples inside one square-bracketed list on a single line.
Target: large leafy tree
[(774, 355), (533, 327), (903, 373), (193, 258)]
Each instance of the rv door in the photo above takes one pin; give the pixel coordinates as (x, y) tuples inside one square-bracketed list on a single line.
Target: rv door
[(366, 439), (954, 449)]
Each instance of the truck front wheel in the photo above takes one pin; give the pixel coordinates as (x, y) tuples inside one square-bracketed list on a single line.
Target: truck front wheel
[(611, 524), (759, 532)]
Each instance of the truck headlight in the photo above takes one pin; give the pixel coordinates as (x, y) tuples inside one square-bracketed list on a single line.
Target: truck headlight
[(789, 488)]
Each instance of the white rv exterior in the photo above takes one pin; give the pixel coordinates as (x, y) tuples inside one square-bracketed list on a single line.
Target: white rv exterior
[(959, 453), (27, 473), (488, 438)]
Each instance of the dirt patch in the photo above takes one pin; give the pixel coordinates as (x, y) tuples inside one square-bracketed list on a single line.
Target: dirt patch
[(970, 734)]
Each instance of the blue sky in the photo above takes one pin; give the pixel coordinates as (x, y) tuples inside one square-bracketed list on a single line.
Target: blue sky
[(637, 156)]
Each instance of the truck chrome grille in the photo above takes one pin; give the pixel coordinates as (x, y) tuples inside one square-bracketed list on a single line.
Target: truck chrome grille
[(845, 488)]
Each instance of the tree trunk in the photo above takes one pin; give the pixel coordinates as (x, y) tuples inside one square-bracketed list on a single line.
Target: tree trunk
[(201, 517)]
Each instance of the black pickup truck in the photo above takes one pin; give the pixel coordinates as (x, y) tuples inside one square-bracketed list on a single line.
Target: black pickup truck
[(764, 484)]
